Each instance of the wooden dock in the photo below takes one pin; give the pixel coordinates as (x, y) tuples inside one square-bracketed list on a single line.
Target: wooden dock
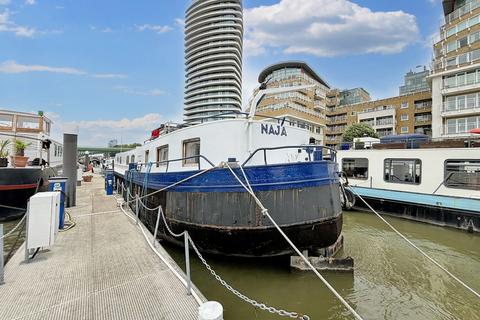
[(103, 268)]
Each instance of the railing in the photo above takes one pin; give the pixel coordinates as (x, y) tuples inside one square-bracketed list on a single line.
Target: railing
[(167, 162), (456, 107), (309, 149), (423, 119), (469, 6), (34, 149)]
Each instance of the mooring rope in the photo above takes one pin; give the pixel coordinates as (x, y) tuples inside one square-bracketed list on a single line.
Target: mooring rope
[(265, 212), (15, 228), (416, 247)]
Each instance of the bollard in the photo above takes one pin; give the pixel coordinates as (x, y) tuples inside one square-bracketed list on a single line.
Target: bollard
[(2, 277), (128, 197), (187, 264), (210, 310), (156, 227), (136, 207)]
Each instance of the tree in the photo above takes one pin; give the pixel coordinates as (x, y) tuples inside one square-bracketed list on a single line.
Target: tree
[(358, 130)]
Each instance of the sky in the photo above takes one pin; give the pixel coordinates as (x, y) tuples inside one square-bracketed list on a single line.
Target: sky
[(115, 68)]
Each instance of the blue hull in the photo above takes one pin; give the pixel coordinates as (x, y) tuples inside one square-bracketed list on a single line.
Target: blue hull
[(303, 198)]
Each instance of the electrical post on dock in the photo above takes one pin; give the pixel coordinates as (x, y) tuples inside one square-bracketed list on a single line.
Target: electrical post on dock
[(109, 182), (59, 184)]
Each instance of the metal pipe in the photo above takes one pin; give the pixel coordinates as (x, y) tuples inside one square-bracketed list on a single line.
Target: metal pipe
[(156, 227), (70, 167), (2, 276), (187, 263)]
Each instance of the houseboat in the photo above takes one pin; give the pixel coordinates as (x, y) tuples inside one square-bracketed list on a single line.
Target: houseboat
[(25, 134), (415, 178), (296, 181)]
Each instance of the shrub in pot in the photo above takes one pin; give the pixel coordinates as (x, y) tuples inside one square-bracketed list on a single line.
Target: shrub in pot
[(19, 159), (4, 153)]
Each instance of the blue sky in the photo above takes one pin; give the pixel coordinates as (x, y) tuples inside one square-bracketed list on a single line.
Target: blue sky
[(115, 68)]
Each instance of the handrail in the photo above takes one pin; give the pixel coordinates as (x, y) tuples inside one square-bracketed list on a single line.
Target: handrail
[(306, 147), (176, 160)]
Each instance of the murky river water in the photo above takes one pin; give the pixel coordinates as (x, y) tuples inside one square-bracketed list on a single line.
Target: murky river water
[(391, 279)]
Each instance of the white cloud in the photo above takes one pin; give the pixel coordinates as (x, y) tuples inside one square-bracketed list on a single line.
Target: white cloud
[(30, 2), (110, 76), (98, 132), (107, 30), (327, 28), (155, 28), (6, 25), (4, 2), (180, 22), (140, 92), (11, 66)]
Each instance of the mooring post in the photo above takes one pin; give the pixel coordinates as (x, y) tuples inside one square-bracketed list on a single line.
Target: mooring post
[(128, 197), (70, 157), (137, 202), (187, 264), (156, 227), (2, 276)]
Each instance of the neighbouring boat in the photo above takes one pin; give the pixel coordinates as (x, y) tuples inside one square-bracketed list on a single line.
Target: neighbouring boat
[(415, 178), (18, 184), (297, 182)]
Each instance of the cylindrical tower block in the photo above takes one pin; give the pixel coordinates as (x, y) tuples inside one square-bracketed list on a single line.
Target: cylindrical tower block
[(213, 59)]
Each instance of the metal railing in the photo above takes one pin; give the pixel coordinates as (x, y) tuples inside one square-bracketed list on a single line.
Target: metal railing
[(309, 149), (167, 162)]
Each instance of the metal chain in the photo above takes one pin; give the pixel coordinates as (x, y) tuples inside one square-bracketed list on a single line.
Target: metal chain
[(256, 304)]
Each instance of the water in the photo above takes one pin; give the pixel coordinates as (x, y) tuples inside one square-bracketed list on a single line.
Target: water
[(12, 242), (391, 279)]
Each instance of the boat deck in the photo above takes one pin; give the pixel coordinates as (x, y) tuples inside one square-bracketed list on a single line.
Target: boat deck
[(101, 269)]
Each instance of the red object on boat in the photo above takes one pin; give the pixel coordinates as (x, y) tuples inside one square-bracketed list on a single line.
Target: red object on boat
[(155, 134), (475, 131)]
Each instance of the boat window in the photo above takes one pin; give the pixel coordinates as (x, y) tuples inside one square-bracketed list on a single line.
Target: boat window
[(162, 155), (133, 159), (147, 153), (128, 159), (356, 168), (403, 170), (464, 174), (6, 121), (191, 148), (28, 123)]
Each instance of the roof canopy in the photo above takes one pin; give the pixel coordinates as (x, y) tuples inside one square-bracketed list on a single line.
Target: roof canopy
[(291, 64)]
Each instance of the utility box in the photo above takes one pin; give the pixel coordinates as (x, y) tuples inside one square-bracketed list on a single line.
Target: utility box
[(42, 219), (109, 177), (59, 184)]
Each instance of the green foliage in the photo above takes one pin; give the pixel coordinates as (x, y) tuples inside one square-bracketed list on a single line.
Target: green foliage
[(4, 148), (20, 147), (128, 146), (358, 130)]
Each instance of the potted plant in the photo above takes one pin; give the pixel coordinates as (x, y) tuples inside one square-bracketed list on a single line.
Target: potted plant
[(4, 153), (19, 159), (87, 178)]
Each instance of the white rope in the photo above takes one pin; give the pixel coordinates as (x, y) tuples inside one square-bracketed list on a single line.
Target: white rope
[(415, 246), (15, 228), (265, 212)]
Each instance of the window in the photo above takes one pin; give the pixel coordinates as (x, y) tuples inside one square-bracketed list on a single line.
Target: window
[(133, 159), (404, 129), (191, 148), (356, 168), (162, 155), (128, 159), (404, 105), (464, 174), (403, 171), (147, 153), (6, 120), (462, 42), (404, 117)]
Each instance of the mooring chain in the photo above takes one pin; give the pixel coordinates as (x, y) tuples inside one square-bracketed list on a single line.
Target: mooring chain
[(256, 304)]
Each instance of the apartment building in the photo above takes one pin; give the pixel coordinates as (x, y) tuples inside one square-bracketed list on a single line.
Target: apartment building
[(303, 108), (455, 77), (415, 81), (408, 113)]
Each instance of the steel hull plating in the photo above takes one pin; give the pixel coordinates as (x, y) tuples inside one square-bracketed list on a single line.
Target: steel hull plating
[(303, 199), (17, 186)]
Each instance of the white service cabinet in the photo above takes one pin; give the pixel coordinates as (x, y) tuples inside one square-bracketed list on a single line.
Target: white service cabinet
[(42, 219)]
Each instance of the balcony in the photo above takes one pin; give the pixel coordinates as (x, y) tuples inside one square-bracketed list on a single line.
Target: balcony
[(423, 119), (460, 110), (468, 7), (423, 106)]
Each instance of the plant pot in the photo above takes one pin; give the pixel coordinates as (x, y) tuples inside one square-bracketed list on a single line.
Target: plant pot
[(19, 161), (3, 162), (87, 178)]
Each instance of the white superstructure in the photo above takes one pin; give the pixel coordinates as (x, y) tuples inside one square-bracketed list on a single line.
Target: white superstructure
[(213, 59)]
